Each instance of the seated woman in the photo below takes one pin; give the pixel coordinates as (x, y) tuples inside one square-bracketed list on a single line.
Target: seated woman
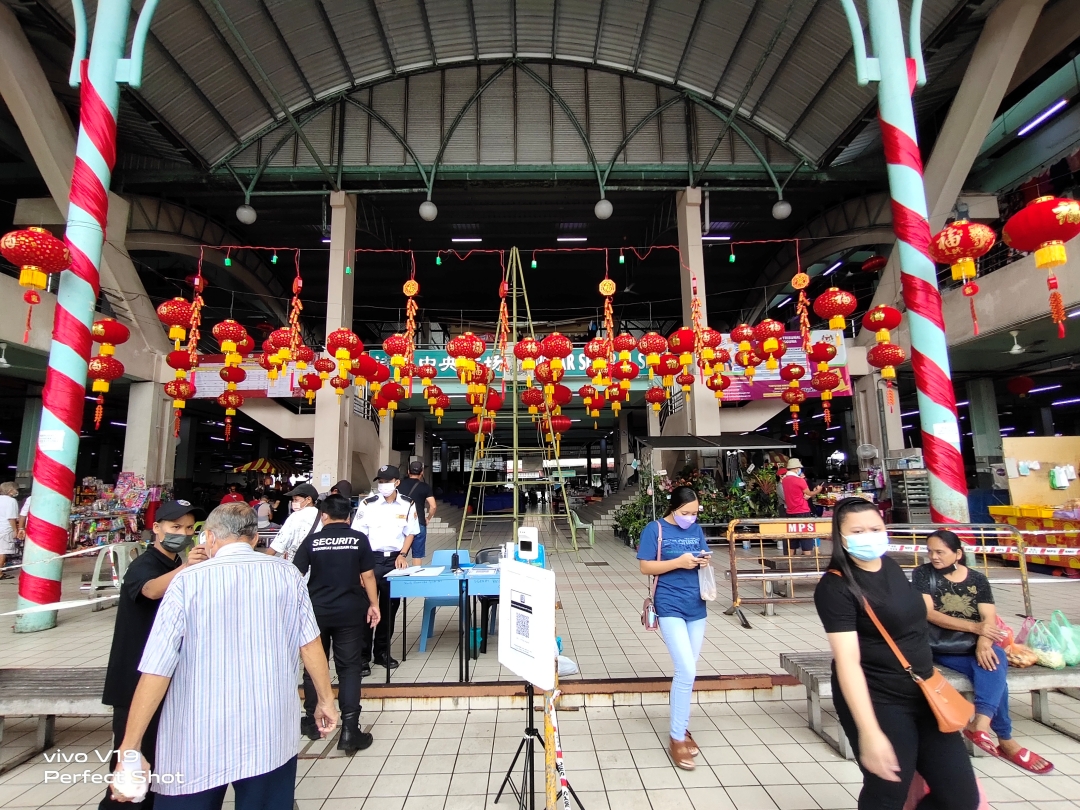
[(959, 599)]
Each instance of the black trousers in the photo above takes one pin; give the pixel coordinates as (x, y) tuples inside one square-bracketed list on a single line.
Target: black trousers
[(347, 641), (940, 758), (149, 749), (388, 608)]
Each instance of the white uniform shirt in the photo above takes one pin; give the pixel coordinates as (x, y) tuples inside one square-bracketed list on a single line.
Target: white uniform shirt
[(387, 523), (25, 511), (9, 511), (294, 530)]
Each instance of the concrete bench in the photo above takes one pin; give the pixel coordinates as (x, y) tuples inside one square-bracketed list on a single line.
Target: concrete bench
[(46, 693), (814, 671)]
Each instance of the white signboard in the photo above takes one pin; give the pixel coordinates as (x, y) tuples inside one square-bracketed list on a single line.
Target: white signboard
[(527, 622)]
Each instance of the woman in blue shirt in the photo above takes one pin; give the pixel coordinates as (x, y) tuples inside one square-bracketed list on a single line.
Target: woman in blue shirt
[(679, 605)]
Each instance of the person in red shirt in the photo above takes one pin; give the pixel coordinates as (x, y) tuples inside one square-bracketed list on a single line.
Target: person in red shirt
[(233, 495), (797, 495)]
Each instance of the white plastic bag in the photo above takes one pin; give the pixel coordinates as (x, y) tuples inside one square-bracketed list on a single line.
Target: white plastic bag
[(707, 583), (567, 666)]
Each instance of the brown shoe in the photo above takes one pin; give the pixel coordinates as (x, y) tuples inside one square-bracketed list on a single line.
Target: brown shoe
[(680, 755), (691, 746)]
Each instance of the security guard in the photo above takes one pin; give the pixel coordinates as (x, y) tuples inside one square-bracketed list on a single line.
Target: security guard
[(389, 520)]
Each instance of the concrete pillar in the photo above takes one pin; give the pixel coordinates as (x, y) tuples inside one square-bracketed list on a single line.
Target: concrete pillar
[(603, 460), (875, 422), (982, 411), (149, 444), (332, 456), (419, 444), (386, 439), (653, 430), (703, 417), (588, 463), (184, 469), (28, 436), (1046, 419), (622, 464)]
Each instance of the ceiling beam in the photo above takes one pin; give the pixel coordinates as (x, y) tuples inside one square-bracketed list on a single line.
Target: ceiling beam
[(427, 30), (644, 33), (472, 30), (381, 30), (193, 87), (285, 46), (334, 40), (554, 25), (817, 96), (787, 55), (599, 29), (691, 35), (738, 46)]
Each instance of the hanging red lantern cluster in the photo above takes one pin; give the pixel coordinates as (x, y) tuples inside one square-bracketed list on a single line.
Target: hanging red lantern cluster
[(1043, 227), (229, 335), (598, 351), (794, 396), (652, 346), (824, 379), (769, 342), (231, 401), (836, 305), (181, 390), (310, 385), (466, 349), (959, 244), (683, 342), (344, 344), (398, 349), (37, 254), (527, 351), (103, 368), (656, 396), (180, 316), (885, 355)]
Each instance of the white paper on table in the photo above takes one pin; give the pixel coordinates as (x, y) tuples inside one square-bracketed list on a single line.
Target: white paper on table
[(434, 571), (404, 572), (1012, 469)]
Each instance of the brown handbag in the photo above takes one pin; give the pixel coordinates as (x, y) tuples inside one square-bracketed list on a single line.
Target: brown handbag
[(952, 710), (649, 620)]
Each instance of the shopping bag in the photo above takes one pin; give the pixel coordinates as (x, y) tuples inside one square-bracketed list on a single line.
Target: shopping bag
[(1006, 642), (706, 578), (1068, 636), (1045, 644), (1025, 628), (919, 789)]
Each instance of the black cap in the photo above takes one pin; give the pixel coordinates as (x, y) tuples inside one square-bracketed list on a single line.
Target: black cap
[(303, 491), (388, 472), (171, 510), (416, 467)]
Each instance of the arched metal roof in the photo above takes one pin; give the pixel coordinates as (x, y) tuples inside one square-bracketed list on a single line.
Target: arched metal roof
[(220, 73)]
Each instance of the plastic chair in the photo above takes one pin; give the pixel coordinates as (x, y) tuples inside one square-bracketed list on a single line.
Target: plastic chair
[(575, 524), (443, 557)]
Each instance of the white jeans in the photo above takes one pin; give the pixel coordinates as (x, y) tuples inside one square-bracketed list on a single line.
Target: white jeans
[(683, 640)]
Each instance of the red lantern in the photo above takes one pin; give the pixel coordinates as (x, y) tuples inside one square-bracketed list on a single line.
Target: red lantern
[(427, 373), (363, 367), (397, 347), (533, 398), (110, 333), (794, 397), (959, 244), (232, 375), (325, 366), (616, 396), (231, 401), (587, 392), (594, 410), (625, 371), (181, 391), (442, 403), (272, 366), (547, 376), (482, 375), (886, 356), (791, 374), (176, 313), (310, 384), (228, 334), (480, 428), (768, 342), (558, 425), (377, 375), (1043, 227), (245, 346), (825, 382), (717, 383), (103, 369), (494, 402), (432, 394), (652, 346), (527, 350), (393, 393), (624, 343), (742, 335), (685, 380), (656, 396), (556, 347), (180, 361), (835, 304), (710, 342), (598, 351), (340, 384), (1020, 386), (342, 343), (749, 363), (668, 367), (560, 396), (36, 253), (821, 353), (683, 341), (304, 355), (874, 264), (380, 404), (881, 319), (465, 349), (281, 340)]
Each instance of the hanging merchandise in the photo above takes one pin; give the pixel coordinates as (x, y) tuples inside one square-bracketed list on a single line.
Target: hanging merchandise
[(325, 366), (527, 350), (228, 334), (442, 404), (342, 343), (231, 401), (794, 396), (1043, 227), (835, 304), (36, 253), (885, 355), (718, 383), (710, 346), (683, 342), (310, 385), (1020, 386), (534, 399), (465, 349), (397, 349), (181, 390), (652, 346), (656, 396), (959, 244), (598, 350), (176, 313), (824, 380), (769, 342)]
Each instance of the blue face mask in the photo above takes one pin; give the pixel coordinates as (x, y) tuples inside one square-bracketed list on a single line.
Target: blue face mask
[(685, 521), (867, 546)]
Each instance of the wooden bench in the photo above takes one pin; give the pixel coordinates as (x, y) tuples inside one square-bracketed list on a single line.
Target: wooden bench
[(814, 671), (46, 693)]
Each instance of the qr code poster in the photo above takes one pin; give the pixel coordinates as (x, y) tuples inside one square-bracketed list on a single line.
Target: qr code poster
[(527, 622)]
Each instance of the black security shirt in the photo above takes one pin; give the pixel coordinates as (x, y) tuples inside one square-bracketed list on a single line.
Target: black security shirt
[(135, 615), (902, 611), (419, 491), (336, 557)]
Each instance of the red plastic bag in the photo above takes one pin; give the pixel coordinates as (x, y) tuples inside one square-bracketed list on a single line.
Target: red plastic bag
[(1006, 642), (1025, 628), (919, 789)]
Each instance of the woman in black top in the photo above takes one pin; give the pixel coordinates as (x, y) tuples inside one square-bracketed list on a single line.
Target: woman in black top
[(960, 602), (880, 707)]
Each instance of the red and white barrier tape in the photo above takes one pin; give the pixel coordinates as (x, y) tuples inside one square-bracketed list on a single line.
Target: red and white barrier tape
[(560, 768), (1029, 551)]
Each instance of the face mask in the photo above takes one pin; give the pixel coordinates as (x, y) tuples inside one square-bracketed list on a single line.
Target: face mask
[(867, 546), (386, 488), (685, 521), (297, 505), (175, 543)]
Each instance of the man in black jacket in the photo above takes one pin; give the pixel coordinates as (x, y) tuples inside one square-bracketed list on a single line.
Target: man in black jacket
[(344, 597)]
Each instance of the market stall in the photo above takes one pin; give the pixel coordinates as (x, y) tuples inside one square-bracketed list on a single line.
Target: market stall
[(103, 514)]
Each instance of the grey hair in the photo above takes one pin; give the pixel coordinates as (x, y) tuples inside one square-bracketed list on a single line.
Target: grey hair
[(232, 521), (9, 488)]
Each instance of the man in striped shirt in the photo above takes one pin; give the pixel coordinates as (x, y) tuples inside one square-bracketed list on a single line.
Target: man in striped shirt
[(226, 646)]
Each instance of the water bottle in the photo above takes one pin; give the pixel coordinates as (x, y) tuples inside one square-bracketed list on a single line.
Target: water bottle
[(746, 545)]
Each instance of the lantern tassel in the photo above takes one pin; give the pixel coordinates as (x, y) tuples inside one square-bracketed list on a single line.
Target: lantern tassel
[(1057, 311), (890, 392), (974, 317), (99, 411), (176, 424), (29, 316), (228, 429)]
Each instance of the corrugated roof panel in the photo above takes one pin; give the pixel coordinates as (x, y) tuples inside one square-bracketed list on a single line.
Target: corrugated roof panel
[(534, 120), (388, 100), (569, 83), (842, 103), (493, 30), (707, 128), (309, 40), (247, 159), (318, 132), (450, 29), (644, 147), (576, 36), (714, 41), (424, 129), (668, 29), (357, 33), (534, 21), (405, 32), (621, 30), (287, 154), (355, 150), (605, 114), (497, 118), (460, 85), (673, 131)]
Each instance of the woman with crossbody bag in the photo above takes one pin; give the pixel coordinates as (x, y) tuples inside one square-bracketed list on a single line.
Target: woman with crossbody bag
[(670, 551), (883, 673)]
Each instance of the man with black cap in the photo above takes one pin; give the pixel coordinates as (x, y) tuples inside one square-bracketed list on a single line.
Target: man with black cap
[(417, 489), (301, 523), (389, 521), (144, 585)]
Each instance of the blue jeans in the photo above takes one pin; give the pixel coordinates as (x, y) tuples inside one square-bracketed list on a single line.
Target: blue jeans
[(683, 641), (267, 791), (991, 691)]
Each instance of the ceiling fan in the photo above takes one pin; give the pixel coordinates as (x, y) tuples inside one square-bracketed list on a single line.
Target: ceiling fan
[(6, 364), (1016, 348)]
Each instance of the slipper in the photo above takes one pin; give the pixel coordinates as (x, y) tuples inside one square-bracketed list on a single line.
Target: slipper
[(1030, 762), (984, 741)]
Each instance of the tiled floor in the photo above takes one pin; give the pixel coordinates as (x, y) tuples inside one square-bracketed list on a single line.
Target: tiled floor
[(756, 756)]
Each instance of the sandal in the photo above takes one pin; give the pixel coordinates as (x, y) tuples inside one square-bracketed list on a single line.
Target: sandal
[(691, 746), (981, 739), (1030, 762), (680, 755)]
